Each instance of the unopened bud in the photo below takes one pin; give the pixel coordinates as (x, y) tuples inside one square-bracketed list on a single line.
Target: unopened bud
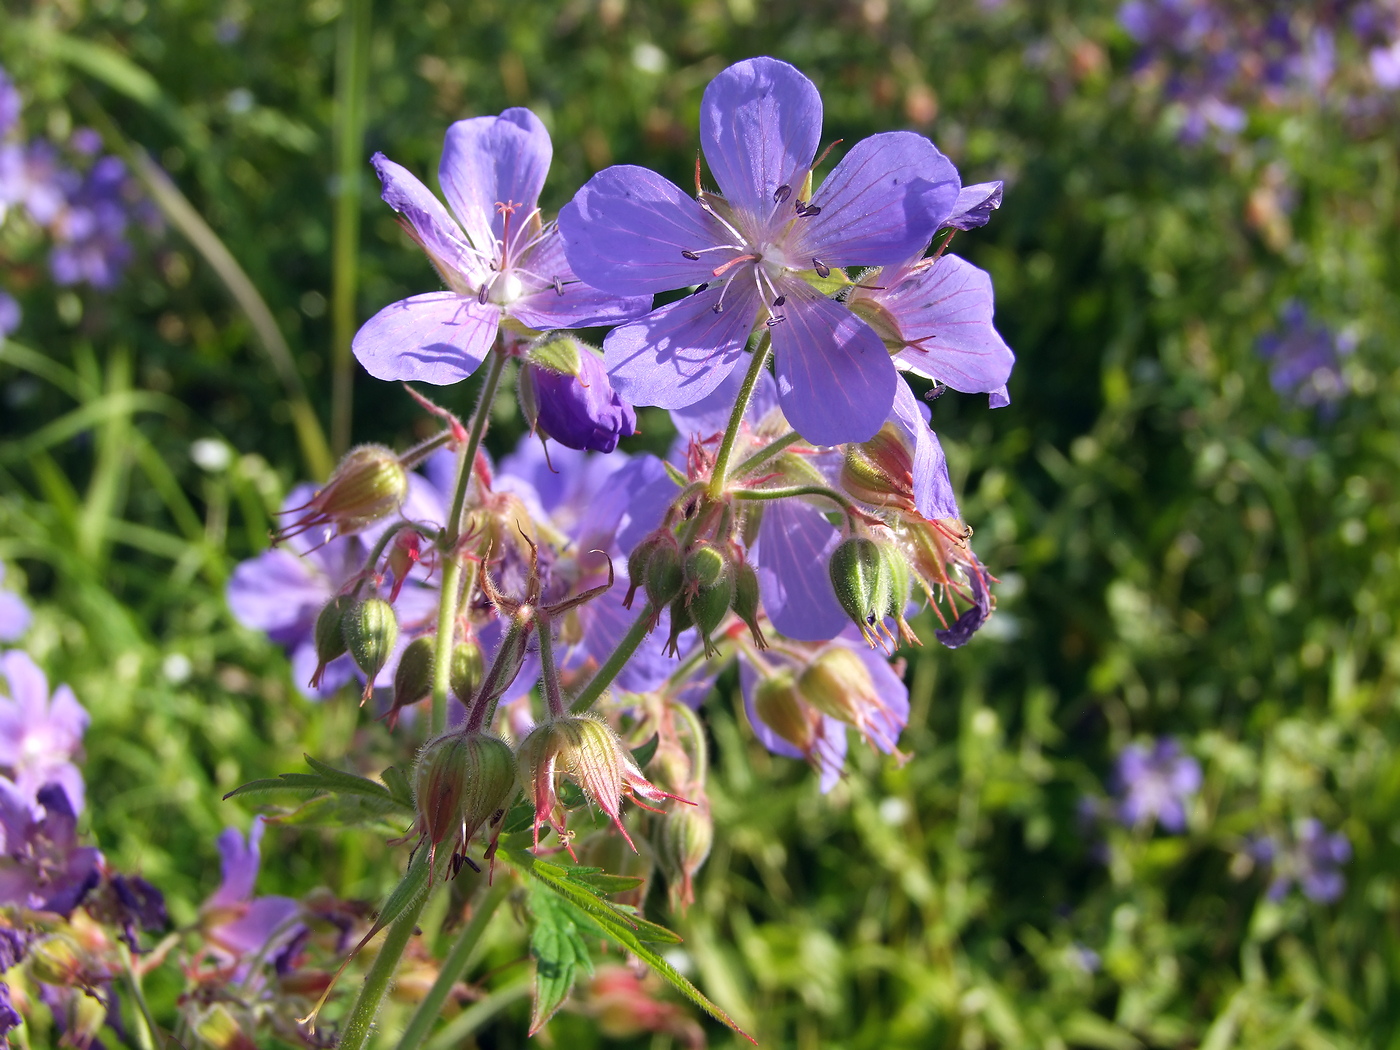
[(745, 603), (860, 575), (880, 471), (709, 606), (371, 629), (665, 576), (680, 623), (839, 684), (683, 844), (637, 563), (780, 707), (465, 674), (413, 678), (704, 565), (460, 783), (369, 484), (330, 634)]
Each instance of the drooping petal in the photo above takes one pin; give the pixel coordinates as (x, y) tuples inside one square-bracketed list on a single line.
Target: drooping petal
[(944, 315), (893, 716), (435, 229), (760, 125), (277, 593), (794, 545), (438, 338), (933, 489), (975, 205), (564, 301), (998, 398), (624, 232), (488, 161), (881, 204), (676, 355), (836, 381), (582, 411)]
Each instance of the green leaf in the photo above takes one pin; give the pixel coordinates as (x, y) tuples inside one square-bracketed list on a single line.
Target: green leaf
[(605, 883), (521, 817), (643, 754), (559, 950), (399, 788), (344, 799), (628, 931)]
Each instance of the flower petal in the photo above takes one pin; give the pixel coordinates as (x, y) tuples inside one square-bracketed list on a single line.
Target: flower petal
[(835, 379), (944, 316), (975, 205), (933, 489), (494, 160), (676, 355), (881, 205), (435, 229), (710, 415), (794, 545), (437, 338), (624, 232), (569, 303), (760, 125)]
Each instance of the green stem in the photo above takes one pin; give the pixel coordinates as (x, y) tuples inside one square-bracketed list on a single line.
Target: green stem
[(700, 760), (736, 417), (361, 1020), (352, 75), (456, 1031), (421, 451), (146, 1030), (549, 673), (443, 642), (467, 463), (767, 452), (614, 664), (459, 960), (798, 490)]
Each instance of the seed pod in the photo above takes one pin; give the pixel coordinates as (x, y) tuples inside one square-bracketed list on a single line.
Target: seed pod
[(704, 565), (637, 563), (880, 471), (460, 782), (468, 667), (367, 485), (709, 607), (330, 634), (371, 629), (781, 708), (413, 679), (860, 575), (838, 683), (745, 603), (664, 577), (680, 622), (683, 843)]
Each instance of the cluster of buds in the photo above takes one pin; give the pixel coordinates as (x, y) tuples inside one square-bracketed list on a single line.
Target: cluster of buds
[(368, 630), (701, 585)]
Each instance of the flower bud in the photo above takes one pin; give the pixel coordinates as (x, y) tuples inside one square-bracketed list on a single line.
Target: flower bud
[(588, 752), (369, 484), (413, 679), (745, 604), (860, 575), (638, 561), (460, 783), (665, 576), (371, 629), (330, 634), (465, 674), (709, 606), (680, 623), (837, 683), (567, 396), (781, 708), (683, 844), (880, 471), (704, 565)]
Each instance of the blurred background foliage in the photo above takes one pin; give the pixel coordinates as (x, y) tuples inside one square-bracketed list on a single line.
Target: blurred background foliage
[(1183, 551)]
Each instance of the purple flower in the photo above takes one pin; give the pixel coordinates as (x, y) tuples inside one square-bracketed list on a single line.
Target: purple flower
[(90, 233), (39, 734), (237, 924), (1313, 860), (1156, 784), (41, 864), (1305, 359), (631, 232), (10, 103), (971, 619), (936, 316), (14, 614), (579, 411), (975, 205), (500, 262), (9, 1017), (31, 177)]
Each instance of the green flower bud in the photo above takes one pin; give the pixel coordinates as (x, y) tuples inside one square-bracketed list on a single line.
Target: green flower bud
[(745, 603), (368, 484), (371, 629), (682, 845), (468, 667), (637, 563), (680, 622), (860, 575), (413, 680), (460, 783), (710, 606), (838, 683), (704, 565), (330, 634), (664, 577)]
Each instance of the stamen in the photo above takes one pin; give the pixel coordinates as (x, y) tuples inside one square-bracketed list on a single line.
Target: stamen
[(689, 255), (709, 208), (700, 288), (823, 270), (781, 194), (775, 320), (807, 210), (485, 292), (779, 301), (720, 270)]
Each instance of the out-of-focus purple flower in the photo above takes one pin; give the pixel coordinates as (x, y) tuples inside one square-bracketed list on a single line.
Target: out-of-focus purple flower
[(90, 233), (501, 262), (1156, 784), (579, 411), (9, 1016), (11, 103), (1305, 359), (32, 177), (936, 317), (14, 614), (39, 734), (10, 314), (631, 232), (41, 864), (135, 905), (85, 141), (1313, 860), (1385, 66), (238, 925)]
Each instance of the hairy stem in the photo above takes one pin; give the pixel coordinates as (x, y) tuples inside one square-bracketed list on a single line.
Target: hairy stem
[(361, 1020), (459, 960), (790, 491), (614, 664), (549, 672), (446, 638), (467, 463), (767, 452), (736, 417)]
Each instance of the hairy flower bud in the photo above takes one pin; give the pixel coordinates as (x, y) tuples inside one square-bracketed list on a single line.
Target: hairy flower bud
[(880, 471), (566, 395), (665, 576), (837, 683), (745, 604), (587, 751), (371, 629), (860, 575), (704, 565), (330, 634), (368, 484), (683, 844), (781, 708), (413, 679), (638, 561), (462, 780), (465, 674)]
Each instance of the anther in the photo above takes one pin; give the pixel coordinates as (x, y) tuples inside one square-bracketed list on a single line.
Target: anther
[(823, 270), (484, 294), (700, 288), (781, 194), (779, 301), (685, 253), (806, 210), (773, 322)]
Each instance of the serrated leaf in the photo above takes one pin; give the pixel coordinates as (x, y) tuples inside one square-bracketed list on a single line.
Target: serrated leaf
[(375, 800), (520, 817), (399, 788), (605, 883), (345, 811), (643, 754), (559, 950), (340, 780), (616, 925)]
